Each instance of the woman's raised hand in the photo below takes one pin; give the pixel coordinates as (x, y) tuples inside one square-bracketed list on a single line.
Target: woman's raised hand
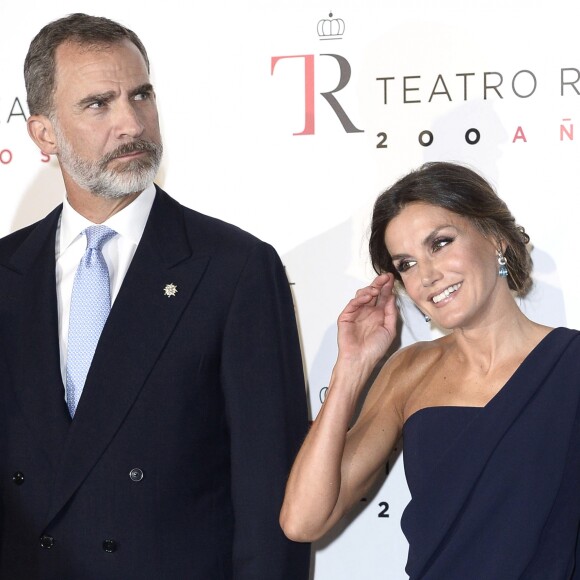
[(367, 326)]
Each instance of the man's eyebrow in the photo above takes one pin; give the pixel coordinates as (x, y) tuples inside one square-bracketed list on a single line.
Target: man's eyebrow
[(96, 97), (144, 88), (109, 95)]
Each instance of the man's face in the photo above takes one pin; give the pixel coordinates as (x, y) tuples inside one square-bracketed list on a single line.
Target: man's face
[(105, 119)]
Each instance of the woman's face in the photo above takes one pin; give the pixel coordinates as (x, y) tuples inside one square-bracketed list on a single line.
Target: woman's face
[(448, 268)]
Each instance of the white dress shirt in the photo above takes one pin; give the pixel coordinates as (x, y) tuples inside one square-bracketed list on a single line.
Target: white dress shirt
[(118, 252)]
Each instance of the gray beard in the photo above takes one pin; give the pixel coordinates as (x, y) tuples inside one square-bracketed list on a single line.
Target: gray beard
[(102, 181)]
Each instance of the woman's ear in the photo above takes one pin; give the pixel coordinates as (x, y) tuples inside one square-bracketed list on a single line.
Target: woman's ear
[(499, 244)]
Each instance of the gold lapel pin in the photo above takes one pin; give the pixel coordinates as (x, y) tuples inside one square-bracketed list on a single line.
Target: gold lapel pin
[(170, 290)]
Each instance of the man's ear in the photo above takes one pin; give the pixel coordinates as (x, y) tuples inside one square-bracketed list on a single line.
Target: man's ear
[(41, 131)]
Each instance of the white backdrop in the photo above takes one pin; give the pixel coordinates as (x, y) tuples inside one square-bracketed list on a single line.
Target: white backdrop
[(230, 108)]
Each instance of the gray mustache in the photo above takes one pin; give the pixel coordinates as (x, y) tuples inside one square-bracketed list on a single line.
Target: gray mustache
[(127, 148)]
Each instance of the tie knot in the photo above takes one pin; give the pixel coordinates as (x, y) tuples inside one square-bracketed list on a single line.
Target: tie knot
[(97, 236)]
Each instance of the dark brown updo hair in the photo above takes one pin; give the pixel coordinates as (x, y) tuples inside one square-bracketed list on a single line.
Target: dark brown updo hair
[(461, 190)]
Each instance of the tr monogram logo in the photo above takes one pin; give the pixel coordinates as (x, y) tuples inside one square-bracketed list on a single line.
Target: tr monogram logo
[(309, 94)]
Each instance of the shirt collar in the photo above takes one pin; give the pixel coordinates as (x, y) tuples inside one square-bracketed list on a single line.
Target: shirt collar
[(129, 223)]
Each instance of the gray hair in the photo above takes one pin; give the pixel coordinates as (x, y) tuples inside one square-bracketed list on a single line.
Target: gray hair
[(82, 29)]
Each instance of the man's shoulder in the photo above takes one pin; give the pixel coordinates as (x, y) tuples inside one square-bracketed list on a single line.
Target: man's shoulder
[(212, 231), (216, 228)]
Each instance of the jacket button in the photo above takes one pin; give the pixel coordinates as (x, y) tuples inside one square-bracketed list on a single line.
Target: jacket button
[(136, 474), (18, 478), (109, 546), (46, 541)]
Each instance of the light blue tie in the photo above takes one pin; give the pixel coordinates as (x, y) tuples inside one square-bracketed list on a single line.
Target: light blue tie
[(89, 307)]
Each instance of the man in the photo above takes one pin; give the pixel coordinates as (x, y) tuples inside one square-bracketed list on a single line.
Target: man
[(152, 441)]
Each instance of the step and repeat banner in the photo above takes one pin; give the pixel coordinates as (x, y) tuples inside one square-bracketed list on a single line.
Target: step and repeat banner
[(289, 118)]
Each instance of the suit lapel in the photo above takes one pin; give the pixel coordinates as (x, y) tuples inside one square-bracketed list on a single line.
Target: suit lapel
[(33, 344), (139, 325)]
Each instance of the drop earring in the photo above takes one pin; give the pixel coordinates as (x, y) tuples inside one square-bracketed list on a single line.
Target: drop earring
[(502, 261), (425, 316)]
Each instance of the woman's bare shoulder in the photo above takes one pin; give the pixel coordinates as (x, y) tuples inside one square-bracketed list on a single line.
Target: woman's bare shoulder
[(407, 368), (413, 359)]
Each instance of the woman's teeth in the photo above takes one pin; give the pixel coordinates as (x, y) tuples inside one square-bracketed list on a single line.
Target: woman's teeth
[(446, 293)]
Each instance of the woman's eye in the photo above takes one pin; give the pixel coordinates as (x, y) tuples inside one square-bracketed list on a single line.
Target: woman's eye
[(440, 243), (404, 265)]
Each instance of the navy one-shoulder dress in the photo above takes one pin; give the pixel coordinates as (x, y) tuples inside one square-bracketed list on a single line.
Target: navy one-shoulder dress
[(496, 490)]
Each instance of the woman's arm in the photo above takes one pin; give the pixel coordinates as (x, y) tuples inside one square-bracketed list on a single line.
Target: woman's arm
[(336, 466)]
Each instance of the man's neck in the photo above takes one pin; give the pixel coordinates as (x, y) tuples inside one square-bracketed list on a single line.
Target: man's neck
[(95, 208)]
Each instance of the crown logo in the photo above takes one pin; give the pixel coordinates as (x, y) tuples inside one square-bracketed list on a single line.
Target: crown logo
[(330, 28)]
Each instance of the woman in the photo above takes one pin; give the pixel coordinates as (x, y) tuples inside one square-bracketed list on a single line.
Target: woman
[(489, 412)]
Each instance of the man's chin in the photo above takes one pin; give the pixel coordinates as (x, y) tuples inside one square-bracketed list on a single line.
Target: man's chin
[(119, 188)]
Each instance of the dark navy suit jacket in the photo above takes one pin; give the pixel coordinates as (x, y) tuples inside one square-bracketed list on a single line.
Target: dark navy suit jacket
[(194, 407)]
